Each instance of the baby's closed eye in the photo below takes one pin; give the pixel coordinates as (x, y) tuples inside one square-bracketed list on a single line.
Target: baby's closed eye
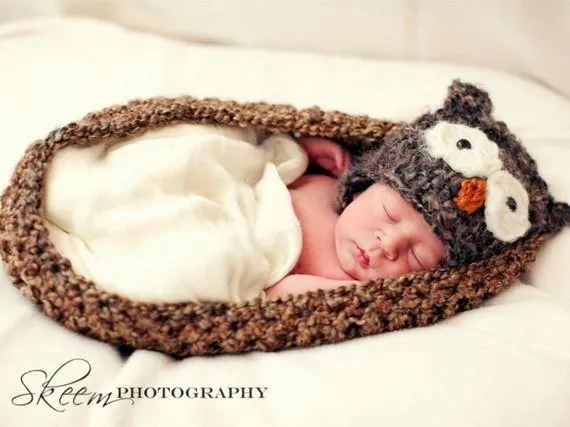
[(387, 214)]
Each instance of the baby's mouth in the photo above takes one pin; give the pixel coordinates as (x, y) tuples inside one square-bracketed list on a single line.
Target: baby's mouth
[(362, 257)]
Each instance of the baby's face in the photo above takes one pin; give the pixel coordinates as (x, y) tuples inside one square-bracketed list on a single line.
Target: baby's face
[(381, 235)]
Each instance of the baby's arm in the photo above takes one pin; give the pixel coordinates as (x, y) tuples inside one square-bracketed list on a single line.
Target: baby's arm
[(295, 284), (328, 154)]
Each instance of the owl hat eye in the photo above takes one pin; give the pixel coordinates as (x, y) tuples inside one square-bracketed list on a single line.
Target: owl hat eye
[(506, 207), (465, 149), (468, 151)]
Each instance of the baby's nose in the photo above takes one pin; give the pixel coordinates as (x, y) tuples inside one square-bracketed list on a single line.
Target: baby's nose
[(390, 244)]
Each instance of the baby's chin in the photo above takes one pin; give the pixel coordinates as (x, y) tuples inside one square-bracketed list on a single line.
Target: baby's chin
[(349, 273), (364, 277)]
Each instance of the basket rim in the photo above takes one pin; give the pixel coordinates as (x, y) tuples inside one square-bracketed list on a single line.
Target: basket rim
[(182, 329)]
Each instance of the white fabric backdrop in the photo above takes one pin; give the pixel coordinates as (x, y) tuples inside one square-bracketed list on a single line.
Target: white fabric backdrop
[(531, 38), (506, 364)]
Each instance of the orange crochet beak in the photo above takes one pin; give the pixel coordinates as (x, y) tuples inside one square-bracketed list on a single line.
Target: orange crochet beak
[(472, 195)]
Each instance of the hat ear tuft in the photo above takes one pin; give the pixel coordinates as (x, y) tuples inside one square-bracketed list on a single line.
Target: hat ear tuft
[(467, 99), (561, 212)]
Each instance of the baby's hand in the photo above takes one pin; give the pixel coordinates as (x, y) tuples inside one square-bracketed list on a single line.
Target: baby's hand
[(327, 154)]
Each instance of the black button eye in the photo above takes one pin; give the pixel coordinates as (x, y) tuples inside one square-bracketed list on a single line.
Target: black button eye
[(463, 144), (512, 204)]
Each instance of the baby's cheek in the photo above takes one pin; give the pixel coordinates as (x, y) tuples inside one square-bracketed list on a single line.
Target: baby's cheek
[(402, 267), (345, 257), (396, 268)]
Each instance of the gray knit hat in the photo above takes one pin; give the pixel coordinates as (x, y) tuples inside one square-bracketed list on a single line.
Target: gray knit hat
[(469, 176)]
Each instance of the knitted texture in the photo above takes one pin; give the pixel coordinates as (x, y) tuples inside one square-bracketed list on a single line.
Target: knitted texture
[(466, 173), (183, 329)]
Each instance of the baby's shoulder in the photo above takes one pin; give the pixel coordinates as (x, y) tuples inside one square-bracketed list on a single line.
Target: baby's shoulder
[(313, 193)]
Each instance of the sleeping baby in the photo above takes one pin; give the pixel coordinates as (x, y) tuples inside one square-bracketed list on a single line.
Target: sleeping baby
[(443, 191), (377, 235)]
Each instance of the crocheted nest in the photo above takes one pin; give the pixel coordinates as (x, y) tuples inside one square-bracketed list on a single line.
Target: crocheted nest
[(182, 329)]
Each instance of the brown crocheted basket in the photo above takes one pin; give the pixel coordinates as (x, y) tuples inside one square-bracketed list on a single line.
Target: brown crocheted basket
[(184, 329)]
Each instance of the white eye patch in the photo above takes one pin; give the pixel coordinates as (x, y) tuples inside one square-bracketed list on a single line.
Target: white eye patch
[(465, 149), (506, 207)]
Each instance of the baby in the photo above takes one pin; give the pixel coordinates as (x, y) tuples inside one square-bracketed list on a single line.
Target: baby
[(378, 235)]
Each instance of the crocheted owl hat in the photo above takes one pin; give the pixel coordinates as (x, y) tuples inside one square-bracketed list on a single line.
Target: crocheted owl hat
[(466, 173)]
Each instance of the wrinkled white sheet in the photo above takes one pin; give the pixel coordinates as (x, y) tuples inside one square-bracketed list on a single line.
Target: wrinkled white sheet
[(183, 213), (506, 364)]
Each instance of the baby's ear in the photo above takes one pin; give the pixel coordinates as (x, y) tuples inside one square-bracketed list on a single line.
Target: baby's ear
[(467, 100)]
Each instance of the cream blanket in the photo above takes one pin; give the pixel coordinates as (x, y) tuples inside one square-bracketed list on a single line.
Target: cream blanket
[(183, 213)]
